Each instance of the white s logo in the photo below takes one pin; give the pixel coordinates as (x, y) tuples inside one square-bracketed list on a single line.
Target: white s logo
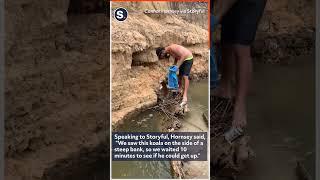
[(119, 14)]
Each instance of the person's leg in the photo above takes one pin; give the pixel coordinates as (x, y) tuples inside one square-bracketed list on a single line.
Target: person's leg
[(243, 78), (227, 73), (185, 73), (227, 56), (186, 87), (180, 78), (244, 19)]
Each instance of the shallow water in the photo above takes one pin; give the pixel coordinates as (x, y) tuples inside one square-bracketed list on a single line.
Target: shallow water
[(281, 119), (194, 122), (198, 104), (150, 121)]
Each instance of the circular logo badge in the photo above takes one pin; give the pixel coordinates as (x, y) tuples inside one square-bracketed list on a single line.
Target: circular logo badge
[(121, 14)]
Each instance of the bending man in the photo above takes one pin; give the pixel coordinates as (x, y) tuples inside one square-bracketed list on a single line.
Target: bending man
[(183, 59)]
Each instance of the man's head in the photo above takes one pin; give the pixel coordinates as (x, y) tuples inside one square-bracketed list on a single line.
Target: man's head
[(160, 51)]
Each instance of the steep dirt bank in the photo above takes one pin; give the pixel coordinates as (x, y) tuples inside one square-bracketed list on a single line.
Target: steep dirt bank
[(286, 29), (56, 85), (136, 70)]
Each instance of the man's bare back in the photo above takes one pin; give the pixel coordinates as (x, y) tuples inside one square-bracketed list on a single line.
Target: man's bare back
[(180, 53)]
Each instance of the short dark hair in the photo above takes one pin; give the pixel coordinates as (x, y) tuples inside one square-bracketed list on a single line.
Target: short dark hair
[(159, 51)]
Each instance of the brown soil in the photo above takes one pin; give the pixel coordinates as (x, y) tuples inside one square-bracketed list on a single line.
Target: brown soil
[(56, 85), (287, 29)]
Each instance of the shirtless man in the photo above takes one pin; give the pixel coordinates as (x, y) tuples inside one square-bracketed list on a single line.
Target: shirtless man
[(183, 59)]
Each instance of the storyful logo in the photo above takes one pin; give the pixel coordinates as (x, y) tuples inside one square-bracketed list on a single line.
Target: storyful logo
[(121, 14)]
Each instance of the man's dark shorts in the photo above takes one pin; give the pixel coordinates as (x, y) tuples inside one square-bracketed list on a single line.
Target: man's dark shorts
[(240, 24), (185, 68)]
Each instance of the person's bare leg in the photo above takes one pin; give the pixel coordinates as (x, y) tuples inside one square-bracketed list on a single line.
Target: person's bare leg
[(186, 87), (244, 72), (227, 74), (180, 83)]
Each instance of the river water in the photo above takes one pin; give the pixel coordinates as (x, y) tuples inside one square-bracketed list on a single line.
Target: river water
[(150, 121), (281, 119)]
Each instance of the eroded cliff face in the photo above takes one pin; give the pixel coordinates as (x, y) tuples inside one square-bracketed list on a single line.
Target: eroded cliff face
[(56, 84), (286, 29), (136, 70)]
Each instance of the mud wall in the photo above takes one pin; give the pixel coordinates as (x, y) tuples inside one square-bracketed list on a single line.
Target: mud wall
[(57, 73), (192, 18), (56, 83), (196, 19), (286, 29)]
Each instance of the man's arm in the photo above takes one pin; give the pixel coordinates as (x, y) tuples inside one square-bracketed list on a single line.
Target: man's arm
[(221, 8), (179, 61), (167, 49)]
